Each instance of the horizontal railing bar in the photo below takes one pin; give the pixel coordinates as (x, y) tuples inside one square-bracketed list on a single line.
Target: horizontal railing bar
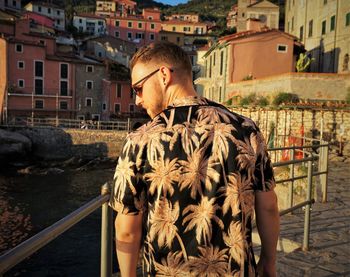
[(291, 179), (278, 164), (300, 205), (320, 173), (28, 247), (297, 147)]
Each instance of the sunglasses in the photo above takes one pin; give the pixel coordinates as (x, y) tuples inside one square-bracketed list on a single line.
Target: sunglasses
[(137, 90)]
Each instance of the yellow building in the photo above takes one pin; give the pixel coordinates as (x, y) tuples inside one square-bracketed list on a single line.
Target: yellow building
[(265, 11), (174, 37), (183, 17), (323, 26), (186, 27)]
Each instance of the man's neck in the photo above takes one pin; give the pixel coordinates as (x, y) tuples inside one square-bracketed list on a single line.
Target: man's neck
[(178, 92)]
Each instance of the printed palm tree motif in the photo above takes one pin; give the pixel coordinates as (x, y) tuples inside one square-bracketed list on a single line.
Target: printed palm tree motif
[(211, 262), (172, 266), (219, 135), (197, 170), (140, 202), (122, 178), (200, 217), (231, 192), (162, 224), (236, 241), (164, 174), (188, 136), (148, 253), (246, 158), (211, 115)]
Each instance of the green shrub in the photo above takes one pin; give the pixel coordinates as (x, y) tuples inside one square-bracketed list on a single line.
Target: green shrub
[(347, 97), (248, 100), (262, 101), (285, 97)]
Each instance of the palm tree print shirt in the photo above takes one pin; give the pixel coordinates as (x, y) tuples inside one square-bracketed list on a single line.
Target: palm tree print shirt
[(193, 171)]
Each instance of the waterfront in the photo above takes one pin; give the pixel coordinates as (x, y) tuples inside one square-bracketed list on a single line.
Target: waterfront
[(30, 203)]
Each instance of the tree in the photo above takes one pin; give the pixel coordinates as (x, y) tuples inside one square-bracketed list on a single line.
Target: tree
[(303, 62)]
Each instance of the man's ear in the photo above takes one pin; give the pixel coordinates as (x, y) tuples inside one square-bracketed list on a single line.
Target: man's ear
[(165, 75)]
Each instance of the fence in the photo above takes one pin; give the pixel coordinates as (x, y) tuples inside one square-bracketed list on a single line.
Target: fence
[(28, 247)]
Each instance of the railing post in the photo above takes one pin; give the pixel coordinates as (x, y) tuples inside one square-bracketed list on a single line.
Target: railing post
[(308, 206), (106, 236), (324, 177), (291, 176)]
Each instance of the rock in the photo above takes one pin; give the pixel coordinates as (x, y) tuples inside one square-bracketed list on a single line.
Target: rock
[(13, 146), (54, 170)]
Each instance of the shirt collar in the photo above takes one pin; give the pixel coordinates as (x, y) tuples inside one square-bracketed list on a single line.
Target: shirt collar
[(188, 101)]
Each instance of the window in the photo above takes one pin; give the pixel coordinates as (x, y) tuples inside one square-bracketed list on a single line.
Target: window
[(64, 71), (63, 105), (139, 25), (80, 20), (39, 69), (332, 23), (58, 22), (178, 39), (64, 88), (210, 63), (221, 62), (164, 38), (58, 12), (131, 108), (117, 23), (152, 26), (324, 2), (39, 104), (89, 68), (89, 84), (104, 106), (174, 29), (39, 9), (347, 19), (288, 28), (19, 48), (119, 90), (151, 36), (88, 102), (117, 108), (48, 10), (150, 17), (129, 24), (310, 27), (281, 48), (324, 25), (20, 83), (301, 33), (214, 58), (42, 42), (129, 35), (140, 35), (38, 86), (14, 3), (116, 34), (293, 23), (20, 64)]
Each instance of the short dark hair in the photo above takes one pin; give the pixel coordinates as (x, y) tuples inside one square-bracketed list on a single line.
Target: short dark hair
[(163, 52)]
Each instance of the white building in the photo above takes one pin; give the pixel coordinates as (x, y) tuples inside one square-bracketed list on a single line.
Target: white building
[(49, 10), (89, 23), (10, 4)]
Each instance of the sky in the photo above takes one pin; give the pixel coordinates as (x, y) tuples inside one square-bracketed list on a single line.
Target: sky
[(172, 2)]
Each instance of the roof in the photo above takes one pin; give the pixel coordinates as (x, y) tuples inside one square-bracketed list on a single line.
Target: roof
[(262, 4), (134, 18), (37, 14), (90, 15), (250, 33), (183, 22), (67, 57), (44, 4), (115, 42)]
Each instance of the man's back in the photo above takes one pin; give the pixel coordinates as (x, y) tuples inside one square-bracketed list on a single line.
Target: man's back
[(193, 171)]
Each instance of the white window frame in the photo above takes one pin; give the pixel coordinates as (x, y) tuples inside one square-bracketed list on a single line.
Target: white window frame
[(86, 99), (104, 106), (130, 23), (115, 34), (90, 66), (130, 35), (16, 44), (24, 84), (115, 23), (18, 67), (92, 84), (153, 26), (138, 25), (37, 77), (61, 101), (282, 51), (120, 107), (39, 100)]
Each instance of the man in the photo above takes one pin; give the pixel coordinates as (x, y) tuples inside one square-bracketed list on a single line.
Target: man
[(192, 178)]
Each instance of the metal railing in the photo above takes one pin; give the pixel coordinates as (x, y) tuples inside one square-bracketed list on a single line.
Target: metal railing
[(321, 171), (28, 247)]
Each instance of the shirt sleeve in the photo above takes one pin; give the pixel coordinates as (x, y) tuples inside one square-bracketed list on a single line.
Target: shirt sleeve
[(128, 194), (263, 178)]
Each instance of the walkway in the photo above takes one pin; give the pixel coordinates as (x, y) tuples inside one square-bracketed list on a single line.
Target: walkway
[(329, 253)]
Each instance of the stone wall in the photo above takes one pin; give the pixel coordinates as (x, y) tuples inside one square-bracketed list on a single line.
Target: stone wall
[(60, 144), (305, 85)]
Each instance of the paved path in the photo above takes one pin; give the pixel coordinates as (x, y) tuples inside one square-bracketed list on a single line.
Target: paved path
[(329, 253)]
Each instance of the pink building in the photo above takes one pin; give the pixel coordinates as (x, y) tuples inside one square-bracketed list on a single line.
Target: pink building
[(40, 19), (142, 30)]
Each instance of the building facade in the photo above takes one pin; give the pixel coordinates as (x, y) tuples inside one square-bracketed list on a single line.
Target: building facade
[(324, 28), (50, 10), (91, 24), (245, 56), (183, 17), (13, 5), (116, 7), (186, 27)]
